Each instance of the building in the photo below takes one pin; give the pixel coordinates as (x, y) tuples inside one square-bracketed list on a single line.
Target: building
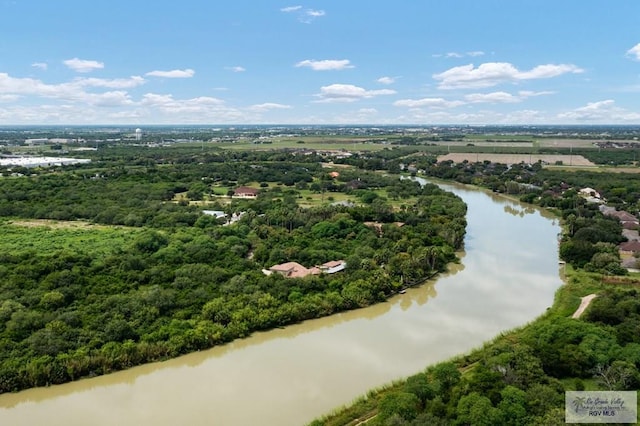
[(630, 247), (296, 270), (245, 192), (292, 270), (41, 161)]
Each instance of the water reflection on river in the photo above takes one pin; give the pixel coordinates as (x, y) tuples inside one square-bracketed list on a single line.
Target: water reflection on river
[(508, 275)]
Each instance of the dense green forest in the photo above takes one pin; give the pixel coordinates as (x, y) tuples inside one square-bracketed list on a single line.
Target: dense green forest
[(148, 276)]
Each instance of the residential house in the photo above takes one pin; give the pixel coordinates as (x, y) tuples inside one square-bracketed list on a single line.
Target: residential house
[(245, 192), (296, 270), (291, 270), (630, 247)]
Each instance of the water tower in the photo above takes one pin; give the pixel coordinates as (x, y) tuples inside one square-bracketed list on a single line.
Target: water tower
[(138, 134)]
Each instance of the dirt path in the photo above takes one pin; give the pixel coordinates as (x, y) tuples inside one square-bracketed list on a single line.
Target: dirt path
[(583, 305)]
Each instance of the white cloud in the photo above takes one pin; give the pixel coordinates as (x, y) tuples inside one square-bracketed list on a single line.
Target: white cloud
[(40, 65), (306, 16), (73, 91), (493, 73), (348, 93), (529, 93), (194, 110), (474, 53), (152, 109), (236, 69), (326, 64), (82, 65), (107, 99), (117, 83), (83, 100), (290, 9), (634, 52), (495, 97), (427, 103), (9, 98), (503, 97), (315, 13), (473, 98), (268, 106), (605, 112), (186, 73), (548, 71), (386, 80), (169, 103), (30, 86)]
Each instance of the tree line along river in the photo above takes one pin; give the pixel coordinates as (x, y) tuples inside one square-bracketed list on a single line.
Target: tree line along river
[(507, 276)]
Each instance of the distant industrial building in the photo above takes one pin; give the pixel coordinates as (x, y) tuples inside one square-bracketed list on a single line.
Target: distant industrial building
[(41, 161)]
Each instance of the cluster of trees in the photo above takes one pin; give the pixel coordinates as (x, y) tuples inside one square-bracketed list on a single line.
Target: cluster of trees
[(176, 281), (590, 239), (111, 191), (591, 242)]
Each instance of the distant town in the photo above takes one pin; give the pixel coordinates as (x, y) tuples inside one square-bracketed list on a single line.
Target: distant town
[(93, 136)]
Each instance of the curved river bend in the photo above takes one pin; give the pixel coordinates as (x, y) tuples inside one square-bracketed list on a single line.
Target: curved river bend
[(507, 277)]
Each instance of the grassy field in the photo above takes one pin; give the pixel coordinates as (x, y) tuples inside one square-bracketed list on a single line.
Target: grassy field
[(46, 237)]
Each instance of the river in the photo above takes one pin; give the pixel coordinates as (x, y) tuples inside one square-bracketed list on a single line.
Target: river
[(507, 276)]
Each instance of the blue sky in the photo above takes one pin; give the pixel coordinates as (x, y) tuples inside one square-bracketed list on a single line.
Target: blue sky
[(319, 62)]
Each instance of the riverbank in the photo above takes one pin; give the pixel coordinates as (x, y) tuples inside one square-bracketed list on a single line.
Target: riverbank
[(571, 301)]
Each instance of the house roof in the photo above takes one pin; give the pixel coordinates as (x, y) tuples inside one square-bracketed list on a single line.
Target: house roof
[(246, 190), (288, 266), (296, 270), (293, 270), (332, 263), (633, 246), (626, 217)]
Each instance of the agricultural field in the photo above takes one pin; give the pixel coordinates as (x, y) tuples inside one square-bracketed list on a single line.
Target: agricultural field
[(566, 160), (571, 143), (341, 143)]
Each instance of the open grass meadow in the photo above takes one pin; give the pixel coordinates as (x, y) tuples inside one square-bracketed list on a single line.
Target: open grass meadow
[(49, 237)]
